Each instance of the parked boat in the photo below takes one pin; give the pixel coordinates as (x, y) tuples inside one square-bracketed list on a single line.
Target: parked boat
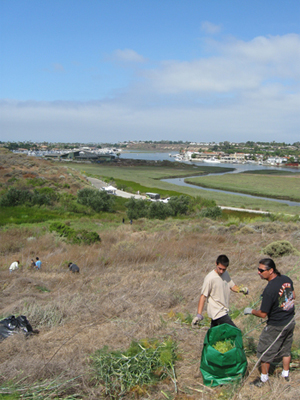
[(212, 160)]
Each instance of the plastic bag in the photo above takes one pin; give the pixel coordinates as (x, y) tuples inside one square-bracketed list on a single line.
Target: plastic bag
[(11, 325), (222, 368)]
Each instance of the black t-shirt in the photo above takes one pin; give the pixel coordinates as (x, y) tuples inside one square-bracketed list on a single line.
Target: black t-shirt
[(278, 301)]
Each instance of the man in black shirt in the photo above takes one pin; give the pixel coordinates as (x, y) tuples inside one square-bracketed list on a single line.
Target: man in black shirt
[(278, 303)]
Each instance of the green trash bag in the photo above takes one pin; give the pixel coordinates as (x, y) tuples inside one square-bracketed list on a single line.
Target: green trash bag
[(222, 368)]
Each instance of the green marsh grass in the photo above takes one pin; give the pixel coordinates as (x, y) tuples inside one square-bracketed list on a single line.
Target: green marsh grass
[(150, 179), (272, 186)]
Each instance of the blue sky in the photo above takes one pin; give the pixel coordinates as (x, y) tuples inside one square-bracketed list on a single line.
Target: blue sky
[(116, 70)]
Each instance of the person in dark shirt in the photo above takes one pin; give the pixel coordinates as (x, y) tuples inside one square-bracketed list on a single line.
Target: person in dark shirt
[(73, 267), (278, 304)]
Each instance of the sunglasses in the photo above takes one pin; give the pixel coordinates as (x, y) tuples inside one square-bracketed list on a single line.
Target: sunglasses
[(261, 270)]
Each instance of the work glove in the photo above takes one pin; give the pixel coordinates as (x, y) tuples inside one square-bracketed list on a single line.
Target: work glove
[(197, 319), (244, 290), (248, 310)]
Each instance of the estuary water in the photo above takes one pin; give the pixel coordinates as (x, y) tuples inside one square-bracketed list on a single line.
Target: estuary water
[(138, 155)]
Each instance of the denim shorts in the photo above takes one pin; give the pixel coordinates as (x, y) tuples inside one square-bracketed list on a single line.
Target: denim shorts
[(281, 346)]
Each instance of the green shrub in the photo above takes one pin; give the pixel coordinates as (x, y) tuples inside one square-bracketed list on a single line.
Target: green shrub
[(86, 237), (73, 236), (179, 204), (159, 210), (61, 228), (211, 212), (15, 197), (137, 208), (280, 248), (197, 203), (36, 182), (98, 201)]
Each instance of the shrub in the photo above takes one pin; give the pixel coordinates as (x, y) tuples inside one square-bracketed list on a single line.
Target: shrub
[(159, 210), (156, 209), (86, 237), (98, 201), (211, 212), (197, 203), (73, 236), (15, 197), (62, 229), (137, 208), (280, 248), (179, 204)]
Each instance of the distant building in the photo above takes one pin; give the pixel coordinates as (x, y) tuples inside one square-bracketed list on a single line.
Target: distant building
[(83, 155)]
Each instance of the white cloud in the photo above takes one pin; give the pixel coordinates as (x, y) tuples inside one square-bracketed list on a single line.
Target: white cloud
[(127, 56), (238, 66), (58, 67), (210, 28), (245, 91)]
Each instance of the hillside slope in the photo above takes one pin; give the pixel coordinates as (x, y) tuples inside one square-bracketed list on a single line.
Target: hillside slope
[(142, 281)]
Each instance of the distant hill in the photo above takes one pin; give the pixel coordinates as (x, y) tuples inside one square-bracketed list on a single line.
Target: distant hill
[(24, 172)]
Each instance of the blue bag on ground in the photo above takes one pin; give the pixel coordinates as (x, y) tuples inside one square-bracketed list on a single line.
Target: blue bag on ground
[(222, 368)]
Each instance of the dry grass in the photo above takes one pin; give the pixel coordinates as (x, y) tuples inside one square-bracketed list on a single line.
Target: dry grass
[(126, 287), (19, 170)]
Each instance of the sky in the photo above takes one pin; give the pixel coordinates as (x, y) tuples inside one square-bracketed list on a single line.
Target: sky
[(98, 71)]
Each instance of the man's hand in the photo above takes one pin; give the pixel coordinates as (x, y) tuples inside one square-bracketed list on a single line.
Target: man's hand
[(248, 310), (197, 319), (244, 290)]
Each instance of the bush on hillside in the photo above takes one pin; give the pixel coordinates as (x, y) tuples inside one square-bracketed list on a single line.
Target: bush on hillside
[(98, 201), (73, 236), (16, 197), (211, 212), (86, 237), (197, 203), (137, 208), (159, 210), (179, 204), (280, 248)]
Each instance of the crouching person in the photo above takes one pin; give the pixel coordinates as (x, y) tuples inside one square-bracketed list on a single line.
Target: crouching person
[(73, 267)]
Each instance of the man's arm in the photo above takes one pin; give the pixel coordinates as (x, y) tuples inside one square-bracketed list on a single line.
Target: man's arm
[(239, 289), (199, 316), (259, 313), (201, 303)]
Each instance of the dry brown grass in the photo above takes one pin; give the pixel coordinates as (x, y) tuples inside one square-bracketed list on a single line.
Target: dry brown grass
[(18, 169), (126, 287)]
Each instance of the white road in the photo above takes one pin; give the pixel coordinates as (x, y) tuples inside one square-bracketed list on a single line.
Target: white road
[(98, 184)]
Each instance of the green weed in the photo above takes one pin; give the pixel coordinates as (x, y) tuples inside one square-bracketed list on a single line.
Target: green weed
[(143, 364)]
